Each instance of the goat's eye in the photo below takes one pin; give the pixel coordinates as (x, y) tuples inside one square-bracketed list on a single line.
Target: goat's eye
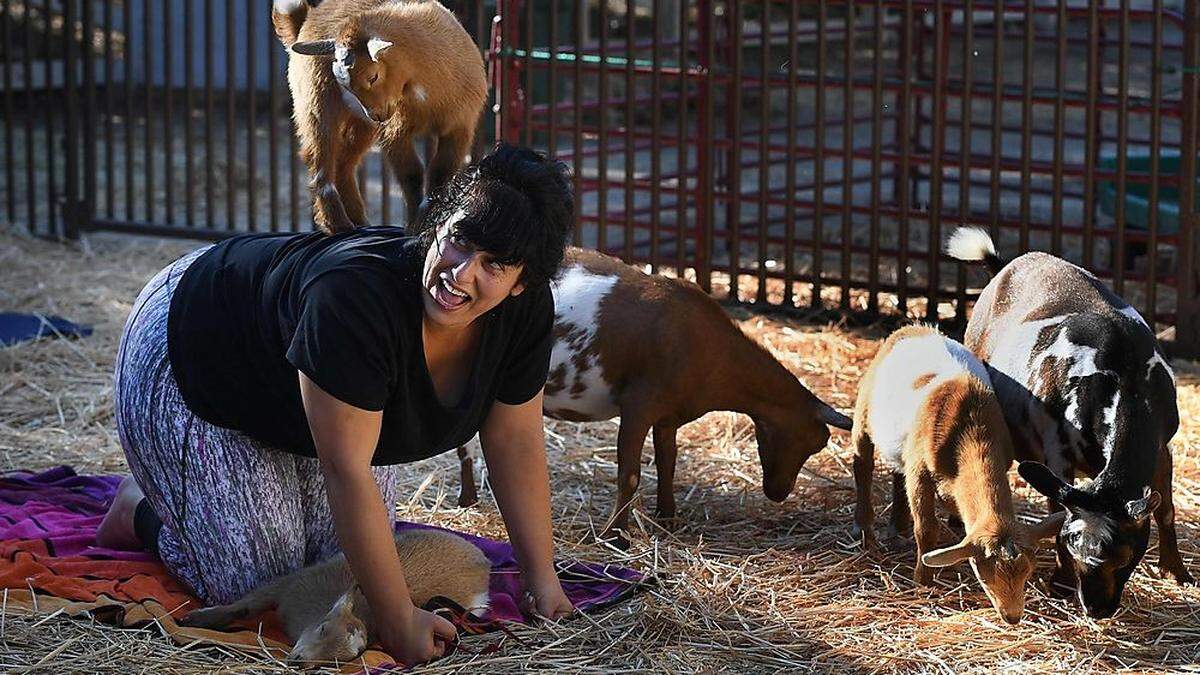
[(372, 78)]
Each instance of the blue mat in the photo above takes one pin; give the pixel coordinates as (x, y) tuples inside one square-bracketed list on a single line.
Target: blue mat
[(16, 328)]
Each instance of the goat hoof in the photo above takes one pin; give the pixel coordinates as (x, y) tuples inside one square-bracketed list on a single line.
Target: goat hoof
[(1179, 574), (614, 538), (467, 501)]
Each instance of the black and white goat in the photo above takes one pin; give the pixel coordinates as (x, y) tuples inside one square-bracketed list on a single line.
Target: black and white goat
[(1084, 388)]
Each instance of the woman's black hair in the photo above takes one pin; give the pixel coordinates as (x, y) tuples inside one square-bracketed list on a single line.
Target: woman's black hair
[(515, 203)]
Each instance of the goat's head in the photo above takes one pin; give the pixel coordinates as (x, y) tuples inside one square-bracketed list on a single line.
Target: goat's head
[(339, 636), (1002, 562), (371, 80), (787, 438), (1106, 537)]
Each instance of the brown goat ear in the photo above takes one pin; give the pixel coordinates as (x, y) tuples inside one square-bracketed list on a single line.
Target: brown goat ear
[(1048, 527), (945, 557), (314, 48)]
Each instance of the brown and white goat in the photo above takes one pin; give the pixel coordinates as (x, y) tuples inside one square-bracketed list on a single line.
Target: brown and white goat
[(660, 353), (926, 404), (324, 612), (1085, 388), (389, 70)]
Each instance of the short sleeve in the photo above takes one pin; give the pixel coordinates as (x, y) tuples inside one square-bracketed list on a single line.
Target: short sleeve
[(527, 363), (347, 337)]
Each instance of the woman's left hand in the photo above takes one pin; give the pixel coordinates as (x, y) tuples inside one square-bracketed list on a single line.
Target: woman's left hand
[(547, 601)]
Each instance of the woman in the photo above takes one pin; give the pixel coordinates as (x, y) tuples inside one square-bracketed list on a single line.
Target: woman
[(267, 386)]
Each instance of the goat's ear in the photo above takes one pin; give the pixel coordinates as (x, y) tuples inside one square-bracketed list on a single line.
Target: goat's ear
[(1042, 479), (1048, 527), (314, 48), (945, 557), (345, 604), (1140, 509), (377, 46)]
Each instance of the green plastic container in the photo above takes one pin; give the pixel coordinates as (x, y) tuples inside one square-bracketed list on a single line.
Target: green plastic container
[(1137, 195)]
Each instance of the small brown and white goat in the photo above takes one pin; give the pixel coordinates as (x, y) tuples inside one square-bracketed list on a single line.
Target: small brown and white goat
[(388, 70), (324, 612), (660, 353), (927, 405)]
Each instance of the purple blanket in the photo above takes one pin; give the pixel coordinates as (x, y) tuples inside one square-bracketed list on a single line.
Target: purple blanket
[(53, 515)]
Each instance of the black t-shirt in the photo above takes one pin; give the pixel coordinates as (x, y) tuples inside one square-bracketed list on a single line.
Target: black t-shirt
[(346, 310)]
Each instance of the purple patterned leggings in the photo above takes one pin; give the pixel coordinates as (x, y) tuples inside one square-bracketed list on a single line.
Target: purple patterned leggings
[(236, 513)]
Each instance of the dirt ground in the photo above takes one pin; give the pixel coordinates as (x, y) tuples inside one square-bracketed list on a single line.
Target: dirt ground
[(744, 584)]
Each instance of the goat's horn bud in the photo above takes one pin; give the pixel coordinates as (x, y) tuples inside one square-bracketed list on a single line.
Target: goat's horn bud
[(376, 46), (314, 48)]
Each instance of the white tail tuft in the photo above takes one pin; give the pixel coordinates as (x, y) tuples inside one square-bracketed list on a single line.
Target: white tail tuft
[(971, 244)]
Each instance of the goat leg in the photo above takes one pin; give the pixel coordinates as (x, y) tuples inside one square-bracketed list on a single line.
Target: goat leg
[(630, 439), (922, 499), (864, 470), (357, 138), (406, 166), (665, 454), (1169, 560), (901, 519), (448, 158), (467, 494)]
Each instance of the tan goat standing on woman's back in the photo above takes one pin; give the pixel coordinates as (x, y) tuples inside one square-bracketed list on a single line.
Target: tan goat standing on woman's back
[(387, 70), (927, 405)]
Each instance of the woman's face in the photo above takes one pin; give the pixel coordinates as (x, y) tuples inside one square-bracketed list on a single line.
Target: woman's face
[(462, 283)]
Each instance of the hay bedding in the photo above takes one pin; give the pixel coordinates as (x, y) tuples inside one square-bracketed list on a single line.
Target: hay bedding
[(745, 584)]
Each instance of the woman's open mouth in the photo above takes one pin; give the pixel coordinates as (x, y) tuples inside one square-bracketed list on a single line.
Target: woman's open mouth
[(447, 295)]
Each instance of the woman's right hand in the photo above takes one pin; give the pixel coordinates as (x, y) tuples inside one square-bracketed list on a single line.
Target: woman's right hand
[(416, 638)]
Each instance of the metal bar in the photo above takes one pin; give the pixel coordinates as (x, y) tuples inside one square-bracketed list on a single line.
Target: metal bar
[(10, 172), (876, 167), (51, 142), (1092, 130), (1155, 148), (1118, 257), (1060, 83), (602, 140), (552, 141), (764, 153), (526, 101), (847, 155), (273, 140), (87, 202), (230, 117), (127, 74), (577, 142), (1026, 125), (705, 158), (168, 51), (70, 121), (1188, 320), (252, 124), (681, 149), (903, 191), (937, 133), (148, 111), (209, 115), (733, 207), (818, 226), (294, 170), (109, 160), (656, 139), (964, 149), (789, 222), (385, 192), (997, 132), (30, 175), (189, 103), (630, 123)]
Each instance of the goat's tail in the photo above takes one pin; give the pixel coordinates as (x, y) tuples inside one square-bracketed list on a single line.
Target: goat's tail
[(974, 244), (288, 16)]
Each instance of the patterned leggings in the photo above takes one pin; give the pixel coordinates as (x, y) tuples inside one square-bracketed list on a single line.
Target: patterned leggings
[(235, 512)]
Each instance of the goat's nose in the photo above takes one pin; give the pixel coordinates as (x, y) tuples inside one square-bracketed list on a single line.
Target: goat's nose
[(1013, 619)]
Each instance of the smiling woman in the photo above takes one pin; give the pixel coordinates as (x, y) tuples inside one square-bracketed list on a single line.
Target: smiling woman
[(265, 386)]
